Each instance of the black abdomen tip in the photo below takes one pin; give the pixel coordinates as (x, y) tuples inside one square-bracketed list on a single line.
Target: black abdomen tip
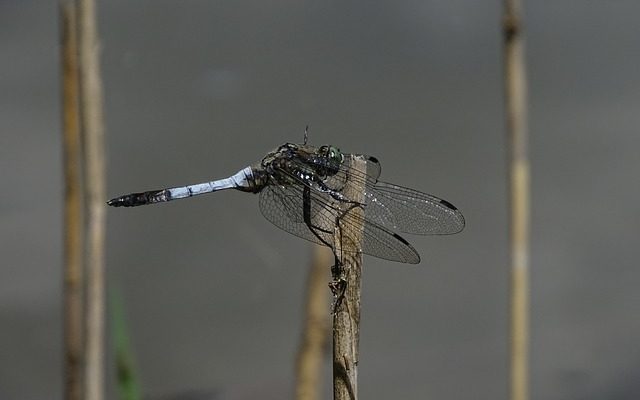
[(129, 200), (136, 199)]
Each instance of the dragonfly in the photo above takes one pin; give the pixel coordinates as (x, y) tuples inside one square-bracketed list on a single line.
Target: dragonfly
[(302, 191)]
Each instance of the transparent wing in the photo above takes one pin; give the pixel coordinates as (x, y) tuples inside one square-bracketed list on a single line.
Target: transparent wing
[(397, 207), (411, 211), (283, 206), (296, 206)]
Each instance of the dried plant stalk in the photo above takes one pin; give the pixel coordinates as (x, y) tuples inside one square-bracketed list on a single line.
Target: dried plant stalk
[(346, 286), (73, 204), (92, 128), (316, 328), (516, 121)]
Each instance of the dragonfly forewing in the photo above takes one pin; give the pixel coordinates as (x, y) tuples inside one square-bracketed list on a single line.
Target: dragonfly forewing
[(309, 211), (399, 208)]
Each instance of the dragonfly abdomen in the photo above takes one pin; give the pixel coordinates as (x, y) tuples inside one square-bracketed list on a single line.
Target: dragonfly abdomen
[(140, 199), (244, 180)]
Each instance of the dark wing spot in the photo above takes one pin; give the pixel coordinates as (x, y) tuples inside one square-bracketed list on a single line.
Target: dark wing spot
[(373, 159), (400, 238), (446, 203)]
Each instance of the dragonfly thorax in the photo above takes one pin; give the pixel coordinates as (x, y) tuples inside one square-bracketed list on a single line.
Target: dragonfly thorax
[(304, 162), (328, 161)]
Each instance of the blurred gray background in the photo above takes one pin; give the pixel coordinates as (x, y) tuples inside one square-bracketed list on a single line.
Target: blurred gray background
[(196, 90)]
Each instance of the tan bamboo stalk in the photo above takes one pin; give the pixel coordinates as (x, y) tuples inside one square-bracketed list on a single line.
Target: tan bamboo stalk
[(516, 124), (92, 128), (346, 287), (315, 332), (73, 203)]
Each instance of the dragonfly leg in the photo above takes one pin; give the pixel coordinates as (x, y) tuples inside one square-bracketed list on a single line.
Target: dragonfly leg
[(337, 195), (306, 204), (338, 289), (338, 284)]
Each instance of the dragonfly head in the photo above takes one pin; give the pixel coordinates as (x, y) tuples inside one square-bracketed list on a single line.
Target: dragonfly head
[(328, 160), (332, 154)]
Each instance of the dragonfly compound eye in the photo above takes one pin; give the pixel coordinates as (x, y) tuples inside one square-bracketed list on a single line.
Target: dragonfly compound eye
[(335, 154)]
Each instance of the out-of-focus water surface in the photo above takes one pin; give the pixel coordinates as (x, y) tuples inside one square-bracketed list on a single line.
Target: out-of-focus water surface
[(197, 90)]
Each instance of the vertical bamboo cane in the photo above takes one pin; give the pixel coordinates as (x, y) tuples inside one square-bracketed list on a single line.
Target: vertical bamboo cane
[(92, 125), (316, 328), (346, 287), (73, 215), (516, 124)]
